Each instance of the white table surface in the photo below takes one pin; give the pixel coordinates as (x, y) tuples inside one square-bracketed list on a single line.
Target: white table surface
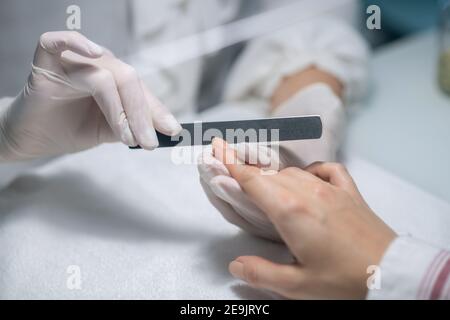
[(404, 126), (137, 226)]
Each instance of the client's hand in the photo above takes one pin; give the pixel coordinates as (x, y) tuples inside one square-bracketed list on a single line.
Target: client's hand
[(321, 216), (226, 195)]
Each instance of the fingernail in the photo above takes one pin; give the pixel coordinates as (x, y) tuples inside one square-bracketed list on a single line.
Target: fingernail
[(151, 140), (224, 153), (171, 125), (237, 269), (218, 145), (126, 134)]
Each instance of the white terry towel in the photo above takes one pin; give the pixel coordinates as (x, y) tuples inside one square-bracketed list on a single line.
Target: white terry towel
[(131, 224)]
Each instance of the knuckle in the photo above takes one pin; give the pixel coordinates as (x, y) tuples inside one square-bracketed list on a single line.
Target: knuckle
[(317, 163), (128, 73), (103, 77), (321, 191), (291, 171), (44, 37), (46, 41), (290, 206), (102, 82)]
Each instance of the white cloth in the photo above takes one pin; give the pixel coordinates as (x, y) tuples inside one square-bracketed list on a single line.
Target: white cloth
[(324, 40), (414, 269), (326, 43), (139, 226)]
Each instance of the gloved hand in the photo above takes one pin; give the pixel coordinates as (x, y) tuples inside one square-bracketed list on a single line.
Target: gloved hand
[(225, 193), (79, 95)]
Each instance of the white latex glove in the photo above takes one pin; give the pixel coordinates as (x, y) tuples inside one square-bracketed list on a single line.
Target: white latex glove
[(79, 95), (225, 193)]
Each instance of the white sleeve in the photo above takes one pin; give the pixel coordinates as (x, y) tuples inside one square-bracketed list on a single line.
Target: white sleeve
[(9, 171), (412, 269), (327, 43)]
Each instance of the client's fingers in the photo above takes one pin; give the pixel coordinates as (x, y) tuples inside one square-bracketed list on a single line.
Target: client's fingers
[(257, 186), (257, 154), (336, 174)]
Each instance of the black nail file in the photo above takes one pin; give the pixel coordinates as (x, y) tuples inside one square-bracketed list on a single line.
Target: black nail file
[(236, 131)]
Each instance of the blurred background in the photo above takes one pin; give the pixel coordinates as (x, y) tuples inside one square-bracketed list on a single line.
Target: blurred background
[(402, 18), (120, 25)]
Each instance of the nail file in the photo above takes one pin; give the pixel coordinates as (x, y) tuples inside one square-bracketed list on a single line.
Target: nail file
[(236, 131)]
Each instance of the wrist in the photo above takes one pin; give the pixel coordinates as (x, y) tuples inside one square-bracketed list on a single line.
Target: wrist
[(8, 151), (371, 271), (292, 84)]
